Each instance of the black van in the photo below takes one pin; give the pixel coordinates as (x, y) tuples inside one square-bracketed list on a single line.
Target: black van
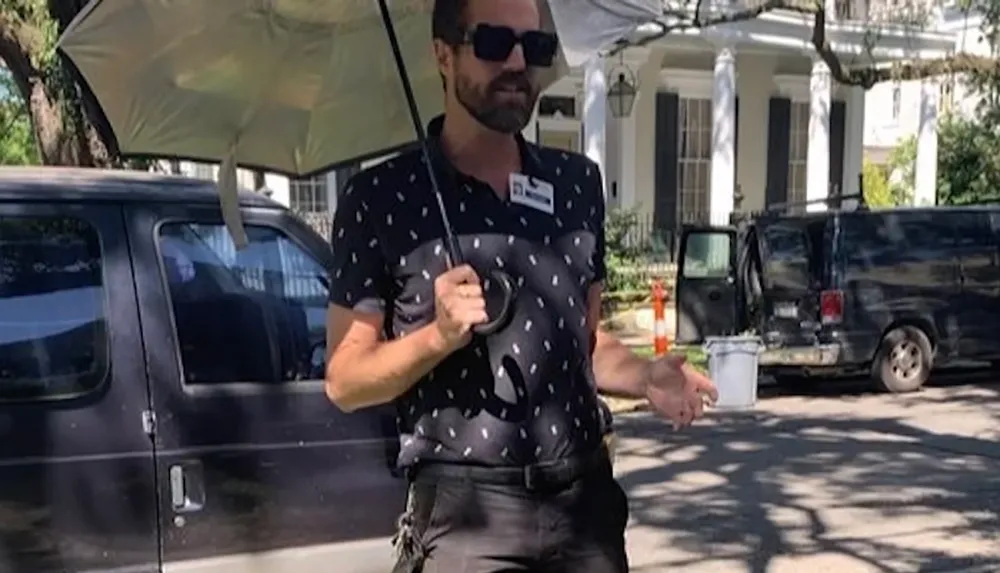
[(891, 292), (161, 396)]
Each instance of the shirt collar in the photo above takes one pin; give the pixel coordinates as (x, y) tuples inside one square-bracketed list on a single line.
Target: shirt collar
[(531, 163)]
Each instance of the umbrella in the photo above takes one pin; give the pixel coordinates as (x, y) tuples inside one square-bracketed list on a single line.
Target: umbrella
[(290, 86)]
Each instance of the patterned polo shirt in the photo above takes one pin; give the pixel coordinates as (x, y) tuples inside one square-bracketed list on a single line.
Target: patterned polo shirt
[(527, 393)]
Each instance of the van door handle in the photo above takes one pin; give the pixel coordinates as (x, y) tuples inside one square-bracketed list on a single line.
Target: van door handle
[(187, 487), (714, 295)]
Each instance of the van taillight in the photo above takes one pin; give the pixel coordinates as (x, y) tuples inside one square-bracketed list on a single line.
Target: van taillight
[(831, 306)]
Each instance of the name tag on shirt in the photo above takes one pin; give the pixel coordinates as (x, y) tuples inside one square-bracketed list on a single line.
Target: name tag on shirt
[(532, 192)]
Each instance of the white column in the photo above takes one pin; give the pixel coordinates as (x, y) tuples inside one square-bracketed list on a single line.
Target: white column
[(331, 191), (723, 136), (627, 167), (595, 106), (278, 186), (925, 184), (854, 140), (818, 152), (530, 131), (613, 160), (628, 174)]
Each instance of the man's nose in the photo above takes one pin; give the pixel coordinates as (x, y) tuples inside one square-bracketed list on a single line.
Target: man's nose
[(515, 60)]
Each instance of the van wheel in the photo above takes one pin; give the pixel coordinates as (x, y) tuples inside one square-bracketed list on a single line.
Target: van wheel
[(903, 361)]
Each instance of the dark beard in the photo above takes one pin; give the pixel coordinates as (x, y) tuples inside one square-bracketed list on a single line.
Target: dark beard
[(508, 117)]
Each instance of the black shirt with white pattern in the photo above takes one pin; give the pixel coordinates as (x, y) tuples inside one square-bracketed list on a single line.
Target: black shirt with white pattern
[(527, 393)]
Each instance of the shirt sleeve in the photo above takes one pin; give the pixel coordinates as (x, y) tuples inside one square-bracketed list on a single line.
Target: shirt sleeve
[(595, 182), (360, 278)]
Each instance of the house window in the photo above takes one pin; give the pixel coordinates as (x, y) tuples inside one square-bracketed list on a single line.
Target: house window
[(897, 100), (557, 106), (798, 149), (204, 171), (694, 163), (308, 195)]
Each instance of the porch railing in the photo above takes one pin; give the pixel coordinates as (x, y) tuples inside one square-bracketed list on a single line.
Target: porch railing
[(914, 13)]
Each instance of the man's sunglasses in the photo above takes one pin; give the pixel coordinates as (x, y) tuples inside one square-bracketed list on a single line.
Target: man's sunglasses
[(495, 43)]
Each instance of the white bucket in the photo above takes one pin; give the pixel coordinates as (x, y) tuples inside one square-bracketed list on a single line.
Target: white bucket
[(732, 365)]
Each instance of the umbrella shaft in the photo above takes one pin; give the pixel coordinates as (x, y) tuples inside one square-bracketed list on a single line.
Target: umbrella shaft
[(451, 243)]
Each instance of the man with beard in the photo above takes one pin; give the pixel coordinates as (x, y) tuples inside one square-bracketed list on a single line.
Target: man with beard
[(501, 435)]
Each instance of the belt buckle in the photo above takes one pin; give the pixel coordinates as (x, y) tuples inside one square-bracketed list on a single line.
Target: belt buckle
[(530, 477)]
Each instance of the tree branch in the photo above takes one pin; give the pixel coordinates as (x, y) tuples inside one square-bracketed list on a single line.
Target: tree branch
[(14, 52), (865, 77)]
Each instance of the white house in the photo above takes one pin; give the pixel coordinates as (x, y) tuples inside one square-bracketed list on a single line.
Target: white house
[(744, 108), (726, 118), (894, 108)]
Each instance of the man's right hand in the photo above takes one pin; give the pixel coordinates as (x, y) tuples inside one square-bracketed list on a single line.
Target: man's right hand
[(459, 305)]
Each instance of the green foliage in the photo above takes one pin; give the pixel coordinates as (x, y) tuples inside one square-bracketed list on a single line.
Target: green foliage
[(902, 171), (969, 148), (17, 142), (622, 255), (968, 162), (876, 185)]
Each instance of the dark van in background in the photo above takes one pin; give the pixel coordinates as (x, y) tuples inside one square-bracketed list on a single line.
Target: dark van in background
[(891, 292)]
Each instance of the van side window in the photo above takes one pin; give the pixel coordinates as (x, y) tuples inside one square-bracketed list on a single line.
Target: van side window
[(995, 222), (53, 321), (254, 315), (787, 260), (887, 240), (972, 231), (926, 234), (706, 255)]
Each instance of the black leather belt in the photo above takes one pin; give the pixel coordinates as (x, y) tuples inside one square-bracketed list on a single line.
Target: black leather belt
[(532, 477)]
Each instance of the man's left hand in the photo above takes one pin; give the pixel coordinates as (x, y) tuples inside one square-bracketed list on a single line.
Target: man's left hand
[(678, 391)]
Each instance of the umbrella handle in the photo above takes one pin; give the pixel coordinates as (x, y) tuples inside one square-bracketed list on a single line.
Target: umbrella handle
[(499, 302)]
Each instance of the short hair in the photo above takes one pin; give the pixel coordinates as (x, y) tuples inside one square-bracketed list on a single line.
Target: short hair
[(448, 20)]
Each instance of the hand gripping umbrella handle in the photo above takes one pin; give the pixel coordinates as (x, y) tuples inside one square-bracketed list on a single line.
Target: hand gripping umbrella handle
[(499, 288)]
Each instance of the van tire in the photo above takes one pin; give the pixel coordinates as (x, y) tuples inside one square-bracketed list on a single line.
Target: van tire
[(903, 360)]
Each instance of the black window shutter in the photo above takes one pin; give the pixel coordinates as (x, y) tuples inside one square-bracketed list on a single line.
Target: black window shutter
[(838, 111), (736, 145), (665, 205), (778, 125)]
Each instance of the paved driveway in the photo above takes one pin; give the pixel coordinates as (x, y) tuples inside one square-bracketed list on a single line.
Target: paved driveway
[(851, 483)]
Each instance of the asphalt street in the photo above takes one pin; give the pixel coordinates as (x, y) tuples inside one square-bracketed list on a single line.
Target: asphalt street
[(836, 479)]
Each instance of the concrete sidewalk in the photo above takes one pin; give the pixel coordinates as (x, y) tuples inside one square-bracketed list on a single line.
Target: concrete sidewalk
[(860, 483)]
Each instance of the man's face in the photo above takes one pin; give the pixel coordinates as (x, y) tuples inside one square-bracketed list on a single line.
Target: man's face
[(496, 86)]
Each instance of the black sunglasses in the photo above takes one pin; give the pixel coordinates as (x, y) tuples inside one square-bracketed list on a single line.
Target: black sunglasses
[(495, 43)]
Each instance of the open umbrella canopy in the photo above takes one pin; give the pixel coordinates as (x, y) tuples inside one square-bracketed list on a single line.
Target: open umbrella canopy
[(291, 86)]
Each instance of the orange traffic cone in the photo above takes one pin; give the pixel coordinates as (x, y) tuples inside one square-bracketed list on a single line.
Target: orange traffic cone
[(661, 344)]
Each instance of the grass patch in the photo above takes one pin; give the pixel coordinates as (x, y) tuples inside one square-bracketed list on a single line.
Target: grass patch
[(695, 354)]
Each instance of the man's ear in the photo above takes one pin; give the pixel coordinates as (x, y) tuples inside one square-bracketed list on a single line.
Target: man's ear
[(443, 55)]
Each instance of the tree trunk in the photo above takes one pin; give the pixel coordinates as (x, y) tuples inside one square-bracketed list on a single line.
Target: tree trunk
[(63, 121), (47, 123), (63, 133)]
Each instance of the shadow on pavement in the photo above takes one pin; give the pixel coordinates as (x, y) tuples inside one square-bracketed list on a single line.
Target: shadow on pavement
[(765, 492)]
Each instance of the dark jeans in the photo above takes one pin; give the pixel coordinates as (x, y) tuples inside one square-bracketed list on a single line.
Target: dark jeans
[(463, 527)]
